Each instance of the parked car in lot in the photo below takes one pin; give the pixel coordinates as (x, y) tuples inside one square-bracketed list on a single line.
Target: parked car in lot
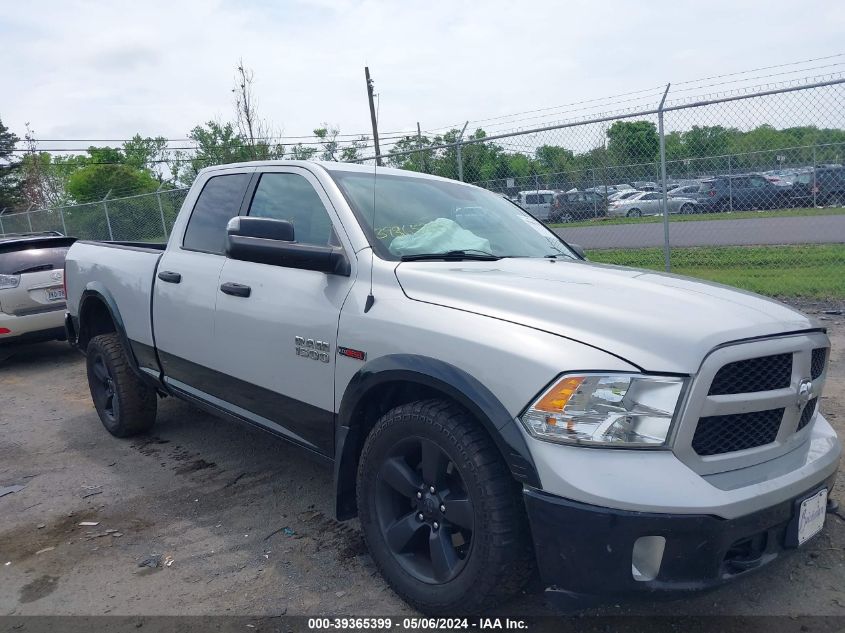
[(650, 203), (825, 187), (644, 185), (577, 205), (32, 295), (538, 203), (747, 191), (684, 191), (623, 195), (493, 406)]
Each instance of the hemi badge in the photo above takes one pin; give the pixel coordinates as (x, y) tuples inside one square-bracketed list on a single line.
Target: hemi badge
[(352, 353)]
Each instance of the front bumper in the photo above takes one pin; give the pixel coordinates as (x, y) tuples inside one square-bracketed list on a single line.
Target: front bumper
[(587, 551)]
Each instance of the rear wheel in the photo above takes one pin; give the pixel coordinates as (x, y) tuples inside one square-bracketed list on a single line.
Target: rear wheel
[(635, 213), (126, 405), (441, 514)]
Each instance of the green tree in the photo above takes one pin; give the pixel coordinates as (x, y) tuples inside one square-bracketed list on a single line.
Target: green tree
[(10, 182), (634, 143), (107, 171)]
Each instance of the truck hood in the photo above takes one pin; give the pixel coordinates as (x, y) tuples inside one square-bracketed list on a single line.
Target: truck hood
[(656, 321)]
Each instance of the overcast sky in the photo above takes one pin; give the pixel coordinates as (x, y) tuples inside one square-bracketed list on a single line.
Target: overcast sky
[(110, 69)]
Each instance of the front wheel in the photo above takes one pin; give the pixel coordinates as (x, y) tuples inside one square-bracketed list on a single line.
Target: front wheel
[(441, 514), (687, 209), (126, 405), (635, 213)]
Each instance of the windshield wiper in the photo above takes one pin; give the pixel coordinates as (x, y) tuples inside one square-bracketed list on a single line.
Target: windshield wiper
[(33, 269), (452, 256)]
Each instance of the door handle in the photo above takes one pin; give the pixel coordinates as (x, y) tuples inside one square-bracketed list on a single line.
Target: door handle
[(236, 290), (170, 277)]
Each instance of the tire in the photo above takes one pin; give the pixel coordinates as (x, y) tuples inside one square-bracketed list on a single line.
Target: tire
[(687, 209), (126, 405), (836, 200), (635, 213), (474, 518)]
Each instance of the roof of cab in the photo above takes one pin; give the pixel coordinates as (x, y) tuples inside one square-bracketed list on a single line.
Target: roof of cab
[(328, 166)]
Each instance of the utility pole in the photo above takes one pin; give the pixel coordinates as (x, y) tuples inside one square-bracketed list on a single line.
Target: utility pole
[(419, 146), (373, 114), (458, 153)]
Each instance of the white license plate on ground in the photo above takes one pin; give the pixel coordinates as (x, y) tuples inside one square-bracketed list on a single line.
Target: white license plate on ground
[(811, 515), (55, 294)]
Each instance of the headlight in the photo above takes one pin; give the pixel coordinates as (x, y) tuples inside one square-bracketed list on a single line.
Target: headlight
[(611, 410), (9, 281)]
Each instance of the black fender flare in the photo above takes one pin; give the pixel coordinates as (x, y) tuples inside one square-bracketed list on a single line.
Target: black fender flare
[(96, 291), (454, 382)]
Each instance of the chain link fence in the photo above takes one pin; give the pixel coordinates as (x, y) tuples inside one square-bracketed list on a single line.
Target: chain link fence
[(143, 218), (753, 182)]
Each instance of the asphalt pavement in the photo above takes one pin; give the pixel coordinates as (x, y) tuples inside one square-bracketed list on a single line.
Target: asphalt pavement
[(817, 229)]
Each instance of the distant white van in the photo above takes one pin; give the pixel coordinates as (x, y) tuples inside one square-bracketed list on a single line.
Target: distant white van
[(537, 202)]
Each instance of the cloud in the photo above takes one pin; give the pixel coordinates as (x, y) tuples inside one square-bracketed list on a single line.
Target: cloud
[(83, 69)]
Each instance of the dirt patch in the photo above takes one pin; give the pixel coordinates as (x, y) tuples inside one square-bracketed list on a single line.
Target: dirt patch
[(194, 466), (38, 588)]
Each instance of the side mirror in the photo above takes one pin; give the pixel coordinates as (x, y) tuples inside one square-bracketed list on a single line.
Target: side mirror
[(579, 250), (269, 241)]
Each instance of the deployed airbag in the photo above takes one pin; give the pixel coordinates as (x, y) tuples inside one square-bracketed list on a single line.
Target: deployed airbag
[(439, 236)]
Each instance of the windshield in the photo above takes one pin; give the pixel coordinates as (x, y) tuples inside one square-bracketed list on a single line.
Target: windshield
[(418, 216)]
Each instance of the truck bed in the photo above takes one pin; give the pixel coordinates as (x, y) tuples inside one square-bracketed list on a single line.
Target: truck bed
[(121, 271)]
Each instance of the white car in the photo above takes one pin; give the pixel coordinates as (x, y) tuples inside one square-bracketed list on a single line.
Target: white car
[(537, 202), (650, 203), (32, 294)]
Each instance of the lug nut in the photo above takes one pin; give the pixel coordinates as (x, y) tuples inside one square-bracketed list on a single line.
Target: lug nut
[(420, 516), (436, 525), (431, 490), (419, 495), (442, 508)]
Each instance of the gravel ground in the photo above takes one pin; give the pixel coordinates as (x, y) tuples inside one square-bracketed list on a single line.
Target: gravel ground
[(246, 518)]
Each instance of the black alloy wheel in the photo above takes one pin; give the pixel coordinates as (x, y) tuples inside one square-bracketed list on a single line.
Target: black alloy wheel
[(424, 511)]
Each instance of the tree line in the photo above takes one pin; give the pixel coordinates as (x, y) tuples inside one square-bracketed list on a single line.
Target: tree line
[(624, 151), (629, 150)]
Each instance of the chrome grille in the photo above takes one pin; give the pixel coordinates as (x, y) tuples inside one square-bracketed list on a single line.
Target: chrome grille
[(719, 434), (744, 405), (752, 375)]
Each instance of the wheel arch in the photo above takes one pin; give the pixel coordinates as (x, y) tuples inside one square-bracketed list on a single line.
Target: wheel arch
[(389, 381), (99, 314)]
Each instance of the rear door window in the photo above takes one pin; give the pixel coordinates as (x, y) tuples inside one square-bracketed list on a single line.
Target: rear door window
[(219, 202)]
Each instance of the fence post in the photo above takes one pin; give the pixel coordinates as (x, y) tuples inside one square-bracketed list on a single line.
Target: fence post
[(730, 185), (2, 230), (815, 184), (62, 216), (161, 211), (108, 220), (666, 250), (458, 152)]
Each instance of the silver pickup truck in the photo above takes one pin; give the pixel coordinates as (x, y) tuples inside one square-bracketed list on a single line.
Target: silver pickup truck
[(494, 406)]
